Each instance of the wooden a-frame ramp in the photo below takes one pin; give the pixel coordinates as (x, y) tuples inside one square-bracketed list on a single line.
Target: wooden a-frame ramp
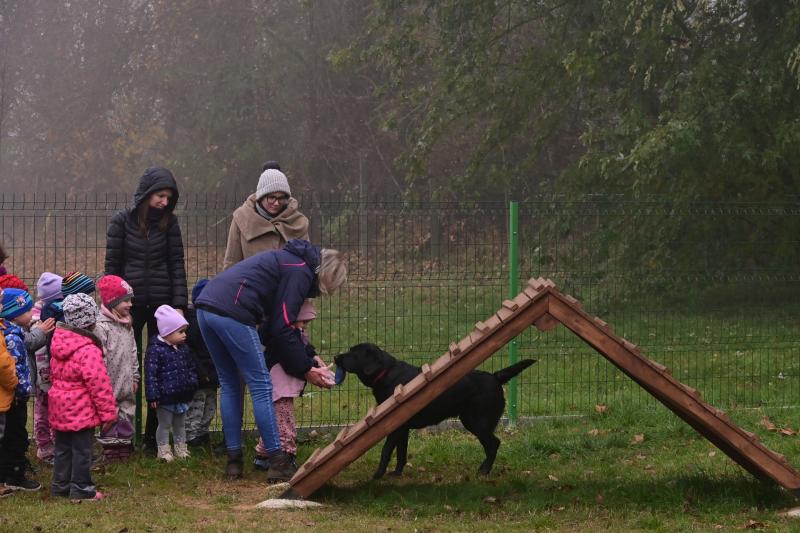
[(540, 304)]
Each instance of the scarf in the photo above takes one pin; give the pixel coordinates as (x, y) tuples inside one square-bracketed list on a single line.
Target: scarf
[(263, 212), (116, 317)]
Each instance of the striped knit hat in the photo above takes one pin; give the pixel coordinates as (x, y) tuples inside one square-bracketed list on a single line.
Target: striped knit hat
[(16, 302), (75, 283)]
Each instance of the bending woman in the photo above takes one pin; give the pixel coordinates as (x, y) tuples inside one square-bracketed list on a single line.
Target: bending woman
[(272, 284)]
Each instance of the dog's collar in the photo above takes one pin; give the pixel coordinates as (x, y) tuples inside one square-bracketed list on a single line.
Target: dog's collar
[(380, 375)]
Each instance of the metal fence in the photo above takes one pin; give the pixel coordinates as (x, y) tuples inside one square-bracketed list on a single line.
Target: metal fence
[(421, 274)]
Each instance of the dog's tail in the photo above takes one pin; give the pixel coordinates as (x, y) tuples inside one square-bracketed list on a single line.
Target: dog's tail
[(507, 373)]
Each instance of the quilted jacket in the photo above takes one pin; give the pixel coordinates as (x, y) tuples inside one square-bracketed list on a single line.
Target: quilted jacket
[(15, 343), (152, 263), (80, 396), (170, 375)]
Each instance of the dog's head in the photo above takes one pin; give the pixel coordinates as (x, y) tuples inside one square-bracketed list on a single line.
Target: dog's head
[(366, 360)]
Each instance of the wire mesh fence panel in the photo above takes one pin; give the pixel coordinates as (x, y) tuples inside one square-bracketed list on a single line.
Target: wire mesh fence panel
[(422, 274)]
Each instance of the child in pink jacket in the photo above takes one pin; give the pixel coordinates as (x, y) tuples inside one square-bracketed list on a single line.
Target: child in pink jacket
[(80, 398)]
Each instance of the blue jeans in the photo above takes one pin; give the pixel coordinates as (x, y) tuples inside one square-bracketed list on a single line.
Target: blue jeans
[(236, 351)]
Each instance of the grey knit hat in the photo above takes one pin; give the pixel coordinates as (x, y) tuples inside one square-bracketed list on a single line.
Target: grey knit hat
[(272, 180), (80, 311)]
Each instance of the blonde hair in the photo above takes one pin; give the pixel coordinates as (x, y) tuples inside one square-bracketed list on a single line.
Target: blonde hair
[(332, 271)]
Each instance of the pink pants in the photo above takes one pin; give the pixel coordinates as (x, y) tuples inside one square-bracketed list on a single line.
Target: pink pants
[(284, 416), (42, 432)]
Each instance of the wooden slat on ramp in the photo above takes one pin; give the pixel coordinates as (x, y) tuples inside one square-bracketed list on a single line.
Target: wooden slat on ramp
[(542, 305)]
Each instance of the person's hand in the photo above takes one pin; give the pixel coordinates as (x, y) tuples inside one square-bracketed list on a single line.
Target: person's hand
[(47, 326), (106, 427), (319, 361), (135, 387), (321, 377), (154, 405)]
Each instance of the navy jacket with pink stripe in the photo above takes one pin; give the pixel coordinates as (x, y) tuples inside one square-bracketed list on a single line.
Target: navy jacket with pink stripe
[(268, 289)]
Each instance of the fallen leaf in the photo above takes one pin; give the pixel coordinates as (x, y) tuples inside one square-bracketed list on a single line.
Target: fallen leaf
[(753, 524), (421, 469), (641, 457), (555, 457), (551, 477), (718, 526), (767, 424), (309, 523), (593, 432), (527, 472), (638, 438), (448, 508), (560, 508), (787, 432), (712, 453), (490, 499), (648, 467), (601, 408)]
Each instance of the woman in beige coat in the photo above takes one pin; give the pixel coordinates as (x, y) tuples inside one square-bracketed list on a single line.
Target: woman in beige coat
[(266, 220)]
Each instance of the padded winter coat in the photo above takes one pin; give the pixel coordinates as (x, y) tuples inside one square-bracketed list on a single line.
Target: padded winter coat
[(80, 396), (8, 377), (169, 372), (122, 362), (269, 287), (15, 344), (152, 263)]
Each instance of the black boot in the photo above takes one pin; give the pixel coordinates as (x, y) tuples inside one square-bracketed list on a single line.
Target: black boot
[(235, 467), (281, 467)]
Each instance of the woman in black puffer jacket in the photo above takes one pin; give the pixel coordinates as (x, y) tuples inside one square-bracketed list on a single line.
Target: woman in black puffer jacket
[(145, 248)]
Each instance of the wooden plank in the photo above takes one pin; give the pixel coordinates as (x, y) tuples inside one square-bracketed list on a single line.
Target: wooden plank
[(741, 445), (427, 372), (511, 305), (355, 430)]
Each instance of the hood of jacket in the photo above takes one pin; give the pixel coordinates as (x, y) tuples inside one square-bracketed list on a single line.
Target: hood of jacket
[(306, 251), (155, 179), (290, 222), (68, 339)]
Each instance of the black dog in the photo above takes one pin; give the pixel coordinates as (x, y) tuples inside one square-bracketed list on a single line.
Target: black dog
[(476, 399)]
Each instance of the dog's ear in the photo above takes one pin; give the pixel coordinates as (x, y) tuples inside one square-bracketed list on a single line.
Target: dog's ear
[(372, 359)]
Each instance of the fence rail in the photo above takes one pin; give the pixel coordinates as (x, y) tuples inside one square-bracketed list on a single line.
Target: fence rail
[(720, 308)]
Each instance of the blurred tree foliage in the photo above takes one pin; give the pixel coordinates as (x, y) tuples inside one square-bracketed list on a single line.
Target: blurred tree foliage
[(677, 104)]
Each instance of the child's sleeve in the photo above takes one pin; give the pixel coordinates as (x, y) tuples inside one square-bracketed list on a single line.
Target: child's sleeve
[(134, 357), (35, 338), (8, 372), (151, 362), (95, 377)]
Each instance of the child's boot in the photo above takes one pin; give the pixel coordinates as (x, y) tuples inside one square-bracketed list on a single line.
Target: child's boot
[(165, 453), (261, 462), (181, 450)]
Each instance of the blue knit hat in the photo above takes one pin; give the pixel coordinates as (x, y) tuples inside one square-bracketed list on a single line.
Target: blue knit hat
[(76, 283), (16, 302)]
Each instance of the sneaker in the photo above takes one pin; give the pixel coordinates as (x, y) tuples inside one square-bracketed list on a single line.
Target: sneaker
[(96, 498), (261, 462), (281, 468), (28, 485), (5, 492)]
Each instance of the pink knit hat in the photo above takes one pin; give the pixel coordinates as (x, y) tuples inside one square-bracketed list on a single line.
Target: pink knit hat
[(113, 290), (307, 312), (169, 320)]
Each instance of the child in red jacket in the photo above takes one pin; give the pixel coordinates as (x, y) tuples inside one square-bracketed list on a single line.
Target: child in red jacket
[(80, 398)]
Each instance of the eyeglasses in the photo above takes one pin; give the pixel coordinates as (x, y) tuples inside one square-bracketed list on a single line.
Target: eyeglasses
[(281, 199)]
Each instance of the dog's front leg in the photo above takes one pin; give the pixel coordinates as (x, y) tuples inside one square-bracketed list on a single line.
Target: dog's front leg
[(386, 454)]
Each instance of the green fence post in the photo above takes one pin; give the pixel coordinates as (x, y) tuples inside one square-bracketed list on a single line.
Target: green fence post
[(513, 289)]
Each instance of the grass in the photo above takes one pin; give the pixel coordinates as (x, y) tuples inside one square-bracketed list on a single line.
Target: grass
[(562, 474)]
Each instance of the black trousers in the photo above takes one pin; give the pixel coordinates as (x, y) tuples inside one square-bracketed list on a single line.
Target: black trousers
[(144, 315), (72, 469), (15, 442)]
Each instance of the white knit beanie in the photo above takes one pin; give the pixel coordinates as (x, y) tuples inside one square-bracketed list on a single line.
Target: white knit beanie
[(272, 180), (80, 310)]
